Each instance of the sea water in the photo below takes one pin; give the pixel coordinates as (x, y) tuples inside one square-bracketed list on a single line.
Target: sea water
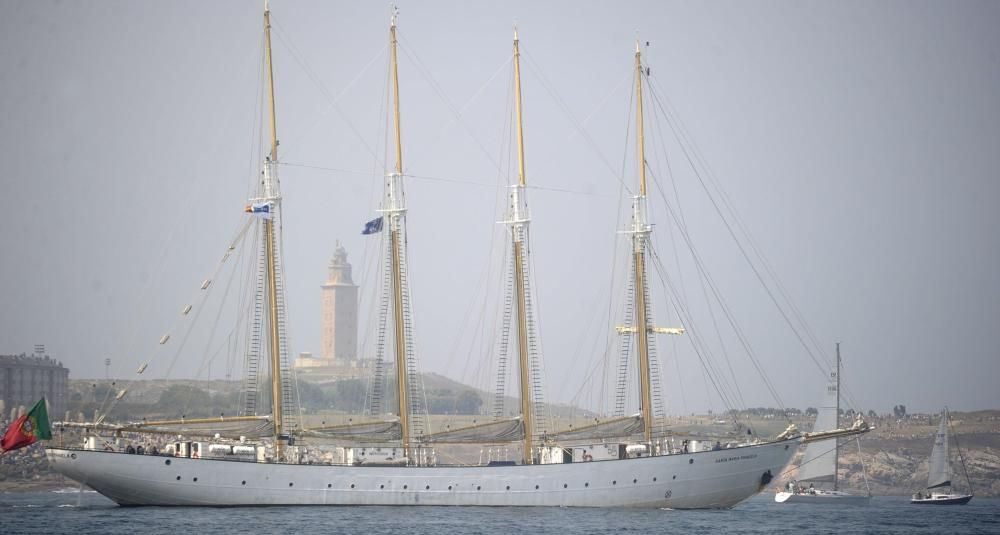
[(86, 512)]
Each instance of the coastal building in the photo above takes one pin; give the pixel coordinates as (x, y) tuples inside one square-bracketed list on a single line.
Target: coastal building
[(24, 379)]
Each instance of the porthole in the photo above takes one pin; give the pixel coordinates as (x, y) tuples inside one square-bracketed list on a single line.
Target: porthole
[(167, 462), (614, 482), (428, 487), (536, 487), (244, 482), (508, 487), (329, 485), (73, 456), (404, 487), (178, 478), (586, 484), (449, 487), (565, 486), (654, 480), (290, 484), (479, 487), (690, 461), (786, 446), (194, 479), (381, 486), (635, 481), (675, 476), (352, 485)]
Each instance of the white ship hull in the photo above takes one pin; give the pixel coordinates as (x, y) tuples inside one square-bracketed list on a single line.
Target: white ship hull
[(823, 497), (711, 479)]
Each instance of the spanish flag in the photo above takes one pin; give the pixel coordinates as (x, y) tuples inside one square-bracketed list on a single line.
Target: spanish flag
[(27, 429)]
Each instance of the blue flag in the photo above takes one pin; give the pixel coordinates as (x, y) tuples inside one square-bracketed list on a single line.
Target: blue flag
[(373, 226)]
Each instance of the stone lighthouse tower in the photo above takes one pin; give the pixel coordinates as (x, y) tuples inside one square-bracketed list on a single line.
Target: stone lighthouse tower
[(340, 312)]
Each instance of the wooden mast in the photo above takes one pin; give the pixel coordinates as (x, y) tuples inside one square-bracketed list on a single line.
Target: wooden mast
[(640, 233), (402, 390), (270, 194), (517, 233), (517, 104), (641, 139)]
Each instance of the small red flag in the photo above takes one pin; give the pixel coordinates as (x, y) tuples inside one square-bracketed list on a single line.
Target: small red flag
[(27, 429)]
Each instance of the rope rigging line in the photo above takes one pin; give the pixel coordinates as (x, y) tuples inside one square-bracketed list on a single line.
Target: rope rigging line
[(484, 282), (444, 179), (660, 152), (732, 321), (174, 225), (108, 404), (616, 259), (286, 321), (371, 255), (682, 223), (576, 123), (249, 301), (722, 388), (256, 138), (331, 100), (208, 291), (444, 98), (695, 158), (472, 99)]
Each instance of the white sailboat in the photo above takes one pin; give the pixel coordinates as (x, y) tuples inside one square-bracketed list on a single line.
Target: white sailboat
[(819, 462), (939, 473), (278, 465)]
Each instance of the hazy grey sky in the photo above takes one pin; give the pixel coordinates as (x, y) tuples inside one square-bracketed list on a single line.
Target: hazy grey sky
[(859, 141)]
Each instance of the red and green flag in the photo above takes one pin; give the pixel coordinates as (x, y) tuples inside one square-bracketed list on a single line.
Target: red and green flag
[(28, 429)]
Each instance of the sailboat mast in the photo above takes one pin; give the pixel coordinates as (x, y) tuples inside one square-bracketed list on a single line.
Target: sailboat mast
[(640, 233), (640, 129), (960, 456), (836, 449), (270, 192), (519, 285), (270, 81), (402, 390), (517, 104), (395, 96)]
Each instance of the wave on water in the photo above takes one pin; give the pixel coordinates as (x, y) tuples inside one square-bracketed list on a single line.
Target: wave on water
[(71, 490)]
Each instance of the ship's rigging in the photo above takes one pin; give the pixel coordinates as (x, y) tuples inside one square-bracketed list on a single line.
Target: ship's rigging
[(266, 342)]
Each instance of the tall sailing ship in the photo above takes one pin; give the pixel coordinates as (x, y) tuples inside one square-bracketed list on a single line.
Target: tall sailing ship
[(266, 456)]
